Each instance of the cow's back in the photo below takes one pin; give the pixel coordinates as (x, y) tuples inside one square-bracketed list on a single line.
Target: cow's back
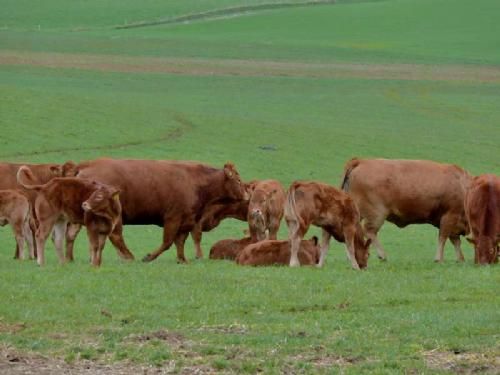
[(273, 252)]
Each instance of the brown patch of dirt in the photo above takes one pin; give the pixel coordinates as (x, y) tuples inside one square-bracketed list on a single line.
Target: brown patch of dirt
[(173, 339), (252, 68), (11, 328), (234, 329), (463, 363)]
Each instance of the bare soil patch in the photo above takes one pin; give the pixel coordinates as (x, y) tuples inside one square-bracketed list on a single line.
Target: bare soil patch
[(252, 68), (463, 363)]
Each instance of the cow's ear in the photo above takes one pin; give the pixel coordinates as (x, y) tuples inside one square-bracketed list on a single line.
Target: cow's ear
[(471, 240), (115, 194), (56, 170), (229, 170), (314, 239)]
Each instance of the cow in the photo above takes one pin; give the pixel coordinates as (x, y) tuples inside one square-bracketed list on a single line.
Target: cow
[(170, 194), (229, 248), (15, 210), (275, 252), (407, 192), (75, 200), (322, 205), (213, 215), (42, 173), (265, 209), (482, 209)]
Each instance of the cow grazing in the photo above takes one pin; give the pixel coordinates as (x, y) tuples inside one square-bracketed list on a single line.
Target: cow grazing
[(319, 204), (409, 192), (15, 210), (213, 215), (42, 173), (63, 200), (229, 248), (170, 194), (265, 209), (274, 252), (482, 208)]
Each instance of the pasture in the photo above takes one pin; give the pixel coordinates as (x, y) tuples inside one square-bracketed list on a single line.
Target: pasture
[(289, 93)]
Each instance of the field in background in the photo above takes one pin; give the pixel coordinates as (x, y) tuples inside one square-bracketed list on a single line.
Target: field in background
[(287, 94)]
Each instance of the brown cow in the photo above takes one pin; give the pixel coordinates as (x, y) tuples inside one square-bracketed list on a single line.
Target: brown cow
[(274, 252), (42, 173), (63, 200), (482, 208), (265, 209), (15, 210), (171, 194), (316, 203), (229, 248), (213, 215), (409, 192)]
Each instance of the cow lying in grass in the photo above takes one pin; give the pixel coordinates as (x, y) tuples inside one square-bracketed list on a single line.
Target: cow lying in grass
[(73, 200), (229, 248), (15, 210), (275, 252)]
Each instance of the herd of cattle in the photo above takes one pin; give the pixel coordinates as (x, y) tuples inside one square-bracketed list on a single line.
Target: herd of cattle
[(190, 198)]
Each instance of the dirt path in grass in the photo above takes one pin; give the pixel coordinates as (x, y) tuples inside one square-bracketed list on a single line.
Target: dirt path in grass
[(252, 68)]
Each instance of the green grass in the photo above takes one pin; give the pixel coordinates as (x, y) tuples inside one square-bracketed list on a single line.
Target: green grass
[(388, 319)]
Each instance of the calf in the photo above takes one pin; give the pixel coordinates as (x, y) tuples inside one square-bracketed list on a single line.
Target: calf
[(229, 248), (265, 209), (273, 252), (332, 210), (409, 192), (15, 210), (482, 208), (72, 200)]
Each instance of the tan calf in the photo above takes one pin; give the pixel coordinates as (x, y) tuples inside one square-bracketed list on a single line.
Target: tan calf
[(229, 248)]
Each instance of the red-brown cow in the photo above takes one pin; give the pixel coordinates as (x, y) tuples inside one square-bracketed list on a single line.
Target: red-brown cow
[(213, 215), (265, 209), (229, 248), (316, 203), (482, 208), (171, 194), (15, 210), (409, 192), (63, 200), (275, 252), (42, 173)]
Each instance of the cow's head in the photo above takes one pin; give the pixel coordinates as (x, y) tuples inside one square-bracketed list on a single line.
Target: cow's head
[(69, 169), (362, 252), (104, 201), (233, 186), (486, 249)]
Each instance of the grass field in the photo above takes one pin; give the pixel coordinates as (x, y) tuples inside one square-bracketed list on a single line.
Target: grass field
[(290, 93)]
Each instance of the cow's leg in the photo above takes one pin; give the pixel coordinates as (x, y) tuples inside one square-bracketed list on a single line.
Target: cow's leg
[(58, 237), (93, 237), (71, 233), (116, 238), (446, 227), (17, 228), (274, 226), (371, 226), (349, 242), (179, 244), (170, 230), (42, 234), (455, 240), (28, 236), (295, 235), (196, 234), (325, 244), (100, 248)]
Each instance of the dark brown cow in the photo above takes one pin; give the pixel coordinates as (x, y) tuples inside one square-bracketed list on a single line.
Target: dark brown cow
[(316, 203), (75, 200), (482, 208), (170, 194), (409, 192), (42, 173), (213, 215), (265, 209), (274, 252), (229, 248), (15, 210)]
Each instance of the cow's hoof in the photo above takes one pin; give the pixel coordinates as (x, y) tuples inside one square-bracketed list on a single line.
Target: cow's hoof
[(382, 259), (147, 258), (437, 260), (182, 261)]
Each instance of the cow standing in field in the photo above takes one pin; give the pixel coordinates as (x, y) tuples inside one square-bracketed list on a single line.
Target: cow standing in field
[(170, 194), (319, 204), (15, 210), (409, 192), (213, 215), (265, 209), (482, 208), (229, 248), (274, 252), (42, 173), (64, 200)]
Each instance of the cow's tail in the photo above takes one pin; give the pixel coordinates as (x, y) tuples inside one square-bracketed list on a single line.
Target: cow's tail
[(348, 168), (291, 206), (24, 172)]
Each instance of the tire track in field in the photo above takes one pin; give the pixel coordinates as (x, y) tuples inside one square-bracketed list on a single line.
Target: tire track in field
[(184, 126), (225, 12), (252, 68)]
